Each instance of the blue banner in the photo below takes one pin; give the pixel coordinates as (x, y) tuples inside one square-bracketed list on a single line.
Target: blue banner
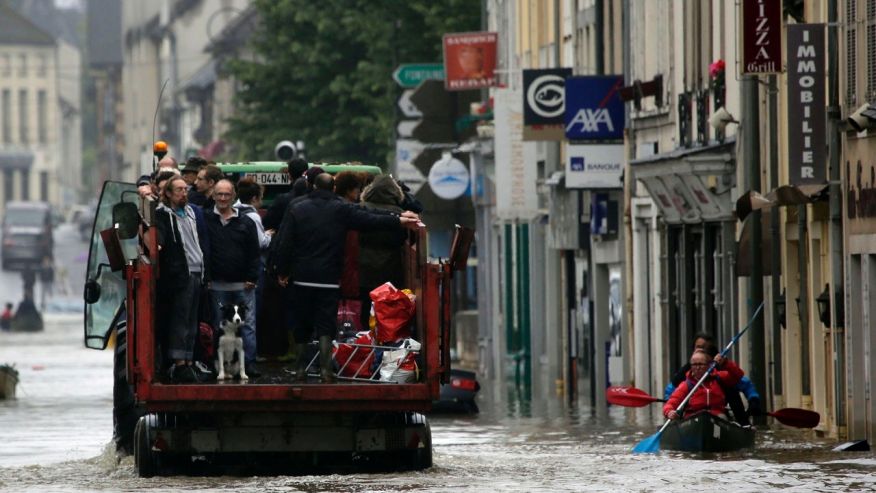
[(594, 110)]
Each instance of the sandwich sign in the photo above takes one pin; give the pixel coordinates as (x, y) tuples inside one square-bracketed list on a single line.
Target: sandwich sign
[(594, 110)]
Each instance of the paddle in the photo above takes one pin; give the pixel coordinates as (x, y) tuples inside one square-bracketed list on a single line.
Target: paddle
[(651, 444), (633, 397)]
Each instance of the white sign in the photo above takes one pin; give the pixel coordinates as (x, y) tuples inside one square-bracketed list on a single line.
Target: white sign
[(406, 128), (516, 196), (594, 166), (449, 178), (407, 107), (269, 178), (405, 152)]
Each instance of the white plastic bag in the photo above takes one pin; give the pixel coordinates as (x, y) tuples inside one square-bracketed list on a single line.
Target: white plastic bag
[(400, 365)]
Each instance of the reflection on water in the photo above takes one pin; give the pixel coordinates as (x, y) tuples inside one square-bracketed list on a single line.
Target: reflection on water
[(56, 436)]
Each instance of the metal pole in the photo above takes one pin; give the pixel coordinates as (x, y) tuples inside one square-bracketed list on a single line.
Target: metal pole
[(836, 225), (802, 243), (751, 153), (775, 231)]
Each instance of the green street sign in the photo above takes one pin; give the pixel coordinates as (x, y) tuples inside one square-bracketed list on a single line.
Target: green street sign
[(410, 75)]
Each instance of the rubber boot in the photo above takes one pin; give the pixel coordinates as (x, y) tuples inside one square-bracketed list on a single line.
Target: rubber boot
[(325, 359), (301, 366), (292, 353)]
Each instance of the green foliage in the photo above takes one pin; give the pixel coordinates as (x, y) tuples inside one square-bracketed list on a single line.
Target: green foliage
[(323, 72)]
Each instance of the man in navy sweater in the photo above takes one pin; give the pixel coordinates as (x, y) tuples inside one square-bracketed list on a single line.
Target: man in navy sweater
[(234, 263)]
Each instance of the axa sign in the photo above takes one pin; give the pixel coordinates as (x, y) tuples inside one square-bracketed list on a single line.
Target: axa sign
[(594, 110)]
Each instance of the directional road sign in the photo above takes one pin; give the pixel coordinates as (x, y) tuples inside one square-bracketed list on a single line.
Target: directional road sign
[(407, 107), (406, 128), (409, 75)]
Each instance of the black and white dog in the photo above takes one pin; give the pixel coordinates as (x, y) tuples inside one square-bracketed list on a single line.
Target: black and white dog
[(230, 362)]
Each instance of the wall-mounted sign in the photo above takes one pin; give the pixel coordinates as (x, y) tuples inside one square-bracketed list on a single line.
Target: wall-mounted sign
[(594, 166), (762, 36), (807, 160), (544, 103), (469, 60), (594, 109), (449, 177), (516, 168)]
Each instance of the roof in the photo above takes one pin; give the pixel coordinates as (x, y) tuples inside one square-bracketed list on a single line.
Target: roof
[(278, 166), (16, 29)]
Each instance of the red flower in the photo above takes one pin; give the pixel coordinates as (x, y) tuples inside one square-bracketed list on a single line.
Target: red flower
[(716, 68)]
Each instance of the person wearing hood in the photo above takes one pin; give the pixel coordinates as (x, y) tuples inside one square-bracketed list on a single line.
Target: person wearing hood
[(182, 270), (380, 255)]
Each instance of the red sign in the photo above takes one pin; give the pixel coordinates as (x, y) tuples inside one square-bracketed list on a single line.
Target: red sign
[(469, 60), (761, 36)]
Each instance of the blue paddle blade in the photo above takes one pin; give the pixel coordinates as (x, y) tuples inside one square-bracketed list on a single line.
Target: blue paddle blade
[(650, 445)]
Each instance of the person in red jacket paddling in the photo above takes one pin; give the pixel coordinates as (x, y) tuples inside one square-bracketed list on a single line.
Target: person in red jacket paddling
[(710, 395)]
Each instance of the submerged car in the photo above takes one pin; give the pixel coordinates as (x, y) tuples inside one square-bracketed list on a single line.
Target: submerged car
[(27, 235), (458, 395)]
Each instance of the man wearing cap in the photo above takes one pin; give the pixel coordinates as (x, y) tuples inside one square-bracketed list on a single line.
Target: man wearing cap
[(190, 170)]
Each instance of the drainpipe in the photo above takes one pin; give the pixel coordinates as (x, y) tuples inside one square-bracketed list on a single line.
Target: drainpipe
[(751, 152), (775, 232), (836, 225), (802, 247)]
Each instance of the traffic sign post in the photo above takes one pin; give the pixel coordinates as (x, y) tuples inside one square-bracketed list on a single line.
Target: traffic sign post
[(410, 75)]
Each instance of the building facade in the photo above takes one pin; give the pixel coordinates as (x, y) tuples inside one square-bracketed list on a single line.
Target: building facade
[(40, 135)]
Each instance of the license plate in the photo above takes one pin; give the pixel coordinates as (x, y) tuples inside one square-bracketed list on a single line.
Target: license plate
[(270, 178)]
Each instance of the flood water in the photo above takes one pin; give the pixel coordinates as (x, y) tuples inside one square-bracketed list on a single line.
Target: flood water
[(56, 437)]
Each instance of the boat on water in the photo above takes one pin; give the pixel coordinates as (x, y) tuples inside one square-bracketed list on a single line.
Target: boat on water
[(8, 381), (705, 432)]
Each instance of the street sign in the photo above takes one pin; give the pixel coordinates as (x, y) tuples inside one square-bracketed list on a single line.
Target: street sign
[(405, 128), (407, 107), (409, 75), (449, 177), (406, 151)]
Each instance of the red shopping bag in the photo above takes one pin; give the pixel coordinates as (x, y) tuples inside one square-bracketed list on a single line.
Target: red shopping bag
[(358, 358), (393, 311), (349, 315)]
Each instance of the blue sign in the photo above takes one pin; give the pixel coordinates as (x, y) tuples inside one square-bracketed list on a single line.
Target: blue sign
[(594, 110)]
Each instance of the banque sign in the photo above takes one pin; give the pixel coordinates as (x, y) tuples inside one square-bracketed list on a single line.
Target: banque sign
[(761, 36)]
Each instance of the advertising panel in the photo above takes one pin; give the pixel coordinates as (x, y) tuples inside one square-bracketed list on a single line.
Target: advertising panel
[(469, 60), (807, 155), (594, 166), (594, 110), (516, 169), (544, 103), (761, 37)]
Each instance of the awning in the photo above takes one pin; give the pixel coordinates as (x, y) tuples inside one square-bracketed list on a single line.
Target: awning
[(200, 81), (16, 160), (743, 253), (784, 195), (691, 185)]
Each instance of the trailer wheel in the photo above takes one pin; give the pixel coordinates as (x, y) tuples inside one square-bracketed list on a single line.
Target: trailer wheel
[(422, 459), (144, 458), (126, 412)]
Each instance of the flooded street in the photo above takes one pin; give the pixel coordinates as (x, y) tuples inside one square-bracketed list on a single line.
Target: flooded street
[(57, 434)]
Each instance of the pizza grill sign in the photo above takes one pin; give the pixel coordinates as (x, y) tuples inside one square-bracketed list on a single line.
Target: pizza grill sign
[(761, 37)]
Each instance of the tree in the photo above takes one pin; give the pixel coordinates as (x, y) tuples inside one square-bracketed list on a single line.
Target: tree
[(323, 70)]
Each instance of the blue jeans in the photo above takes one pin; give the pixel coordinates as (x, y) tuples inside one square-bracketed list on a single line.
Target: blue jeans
[(244, 297)]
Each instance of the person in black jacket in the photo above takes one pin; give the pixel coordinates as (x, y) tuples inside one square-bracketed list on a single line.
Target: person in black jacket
[(234, 266), (312, 255), (181, 269), (295, 168)]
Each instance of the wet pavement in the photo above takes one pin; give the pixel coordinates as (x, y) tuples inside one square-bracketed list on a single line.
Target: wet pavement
[(56, 437)]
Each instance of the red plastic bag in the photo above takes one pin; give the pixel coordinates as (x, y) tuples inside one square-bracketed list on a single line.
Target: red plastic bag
[(393, 311), (349, 315), (356, 357)]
